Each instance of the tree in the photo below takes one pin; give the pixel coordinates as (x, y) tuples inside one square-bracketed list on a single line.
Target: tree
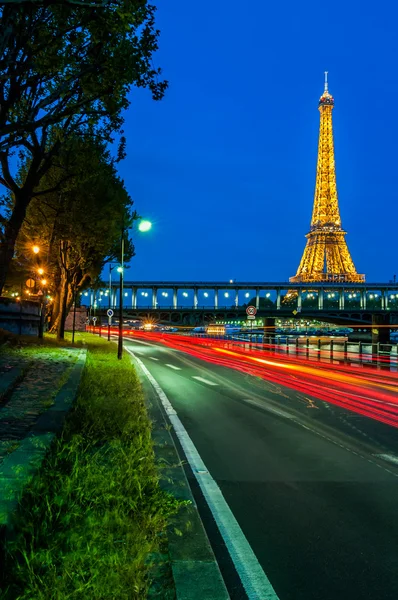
[(65, 69), (78, 223)]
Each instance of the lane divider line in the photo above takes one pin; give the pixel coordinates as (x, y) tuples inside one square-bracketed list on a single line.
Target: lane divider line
[(390, 457), (255, 582), (173, 367), (204, 380), (153, 358)]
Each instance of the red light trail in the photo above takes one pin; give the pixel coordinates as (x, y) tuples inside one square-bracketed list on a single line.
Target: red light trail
[(366, 391)]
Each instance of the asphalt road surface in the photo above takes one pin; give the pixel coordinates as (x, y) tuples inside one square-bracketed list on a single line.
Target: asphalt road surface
[(314, 487)]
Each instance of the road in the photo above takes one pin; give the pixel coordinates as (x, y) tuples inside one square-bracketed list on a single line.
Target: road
[(313, 486)]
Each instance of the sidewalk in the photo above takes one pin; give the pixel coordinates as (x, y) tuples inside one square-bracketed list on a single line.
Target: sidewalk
[(37, 387), (29, 381)]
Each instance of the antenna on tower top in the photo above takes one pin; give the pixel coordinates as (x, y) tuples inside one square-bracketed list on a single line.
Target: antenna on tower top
[(326, 81)]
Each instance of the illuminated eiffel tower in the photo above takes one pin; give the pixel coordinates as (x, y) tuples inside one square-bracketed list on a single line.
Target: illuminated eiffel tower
[(326, 256)]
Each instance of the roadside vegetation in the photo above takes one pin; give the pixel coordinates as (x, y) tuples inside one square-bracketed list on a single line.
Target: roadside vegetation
[(94, 513)]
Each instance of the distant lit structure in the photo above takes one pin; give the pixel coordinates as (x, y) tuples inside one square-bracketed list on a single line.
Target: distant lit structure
[(326, 256)]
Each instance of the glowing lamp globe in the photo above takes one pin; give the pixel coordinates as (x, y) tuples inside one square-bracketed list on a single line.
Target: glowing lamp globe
[(145, 226)]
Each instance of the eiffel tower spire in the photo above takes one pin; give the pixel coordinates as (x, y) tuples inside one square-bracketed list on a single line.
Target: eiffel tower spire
[(326, 256)]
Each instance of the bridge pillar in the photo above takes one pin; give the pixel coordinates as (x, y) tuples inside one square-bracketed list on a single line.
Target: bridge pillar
[(154, 297), (278, 299), (383, 300), (257, 298), (134, 297), (363, 300), (216, 298), (341, 299), (174, 297), (320, 299), (236, 298), (299, 299), (269, 327), (380, 335), (195, 297)]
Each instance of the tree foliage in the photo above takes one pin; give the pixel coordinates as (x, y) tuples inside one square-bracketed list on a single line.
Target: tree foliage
[(65, 69), (78, 224)]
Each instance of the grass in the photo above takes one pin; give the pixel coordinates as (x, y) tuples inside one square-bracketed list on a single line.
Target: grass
[(94, 513)]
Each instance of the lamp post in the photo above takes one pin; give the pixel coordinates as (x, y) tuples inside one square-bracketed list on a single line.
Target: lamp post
[(143, 227), (111, 267), (120, 270)]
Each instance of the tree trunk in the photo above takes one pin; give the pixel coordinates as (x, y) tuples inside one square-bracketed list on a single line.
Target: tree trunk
[(56, 302), (9, 237), (62, 306)]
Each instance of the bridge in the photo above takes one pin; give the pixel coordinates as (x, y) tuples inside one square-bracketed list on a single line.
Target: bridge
[(194, 303)]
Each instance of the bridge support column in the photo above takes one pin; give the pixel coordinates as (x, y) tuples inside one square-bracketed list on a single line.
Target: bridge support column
[(174, 297), (257, 298), (278, 299), (380, 334), (195, 298), (134, 298), (216, 298), (320, 299), (363, 300), (154, 297), (269, 328), (299, 299), (236, 298), (341, 299), (383, 300)]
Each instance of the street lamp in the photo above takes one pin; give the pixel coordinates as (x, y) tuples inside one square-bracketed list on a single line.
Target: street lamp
[(144, 226), (36, 249)]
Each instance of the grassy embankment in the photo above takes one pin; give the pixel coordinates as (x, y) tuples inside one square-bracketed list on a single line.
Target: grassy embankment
[(94, 513)]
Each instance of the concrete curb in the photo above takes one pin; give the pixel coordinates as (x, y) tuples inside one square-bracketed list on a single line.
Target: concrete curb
[(195, 570), (21, 465), (10, 380)]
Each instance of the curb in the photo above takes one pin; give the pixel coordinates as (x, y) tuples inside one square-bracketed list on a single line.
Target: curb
[(10, 380), (194, 567), (20, 466)]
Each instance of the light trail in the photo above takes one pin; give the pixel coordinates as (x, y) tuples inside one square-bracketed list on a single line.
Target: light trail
[(367, 392)]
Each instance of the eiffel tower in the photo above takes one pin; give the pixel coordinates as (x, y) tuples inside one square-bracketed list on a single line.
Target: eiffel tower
[(326, 256)]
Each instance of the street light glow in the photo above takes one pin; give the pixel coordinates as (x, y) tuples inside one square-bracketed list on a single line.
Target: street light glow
[(36, 249), (119, 269), (144, 226), (40, 271)]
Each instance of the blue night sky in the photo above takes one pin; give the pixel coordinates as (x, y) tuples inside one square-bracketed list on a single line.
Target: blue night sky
[(225, 165)]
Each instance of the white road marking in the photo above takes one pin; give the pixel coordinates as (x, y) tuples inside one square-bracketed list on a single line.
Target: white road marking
[(173, 367), (390, 457), (153, 358), (204, 380), (254, 580)]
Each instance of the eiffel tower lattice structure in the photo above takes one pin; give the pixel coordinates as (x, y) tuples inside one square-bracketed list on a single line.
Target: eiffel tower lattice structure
[(326, 256)]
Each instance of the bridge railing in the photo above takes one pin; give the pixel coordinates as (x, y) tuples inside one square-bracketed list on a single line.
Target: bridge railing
[(362, 353)]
